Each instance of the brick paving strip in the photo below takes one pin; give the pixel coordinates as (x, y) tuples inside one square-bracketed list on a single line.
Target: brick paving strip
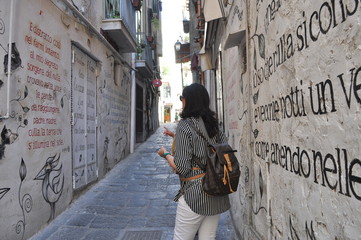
[(133, 202)]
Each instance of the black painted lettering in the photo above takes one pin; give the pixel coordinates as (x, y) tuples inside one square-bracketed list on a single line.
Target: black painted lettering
[(283, 44), (282, 156), (347, 96), (270, 64), (357, 86), (355, 180), (342, 11), (312, 36), (328, 14), (321, 168), (296, 163), (290, 50), (308, 163), (276, 110), (274, 154), (333, 13), (256, 115), (340, 177), (276, 57), (330, 167), (321, 97), (303, 104), (288, 157), (347, 175), (301, 45), (262, 149), (305, 31), (354, 9)]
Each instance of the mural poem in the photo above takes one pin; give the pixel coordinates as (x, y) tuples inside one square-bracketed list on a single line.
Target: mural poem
[(330, 15), (296, 92), (118, 109), (321, 98), (336, 171), (42, 69)]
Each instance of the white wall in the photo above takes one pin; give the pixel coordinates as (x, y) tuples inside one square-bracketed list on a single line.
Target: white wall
[(295, 118), (36, 148)]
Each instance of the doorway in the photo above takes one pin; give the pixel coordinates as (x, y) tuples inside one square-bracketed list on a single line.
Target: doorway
[(83, 108), (167, 113)]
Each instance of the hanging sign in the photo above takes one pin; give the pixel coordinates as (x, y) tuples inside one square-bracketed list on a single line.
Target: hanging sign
[(157, 82)]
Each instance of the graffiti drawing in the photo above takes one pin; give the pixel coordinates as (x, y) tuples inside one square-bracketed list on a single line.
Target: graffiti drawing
[(258, 194), (15, 59), (7, 138), (65, 97), (2, 26), (310, 233), (21, 98), (125, 82), (26, 202), (255, 133), (255, 97), (79, 177), (105, 154), (271, 11), (243, 114), (3, 191), (121, 143), (53, 182), (242, 187)]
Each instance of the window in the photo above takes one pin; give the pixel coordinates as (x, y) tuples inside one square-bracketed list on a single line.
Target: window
[(166, 90)]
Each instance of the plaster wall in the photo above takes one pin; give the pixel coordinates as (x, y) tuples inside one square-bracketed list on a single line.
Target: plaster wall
[(36, 151), (294, 116)]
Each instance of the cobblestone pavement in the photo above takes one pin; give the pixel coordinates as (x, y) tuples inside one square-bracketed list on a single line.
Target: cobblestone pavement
[(134, 201)]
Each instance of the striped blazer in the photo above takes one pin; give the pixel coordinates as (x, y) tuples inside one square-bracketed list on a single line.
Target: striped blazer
[(188, 145)]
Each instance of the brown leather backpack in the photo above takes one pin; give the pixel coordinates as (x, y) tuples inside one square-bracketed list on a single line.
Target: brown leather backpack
[(222, 167)]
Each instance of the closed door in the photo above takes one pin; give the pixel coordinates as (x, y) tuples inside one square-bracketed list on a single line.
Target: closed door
[(83, 76)]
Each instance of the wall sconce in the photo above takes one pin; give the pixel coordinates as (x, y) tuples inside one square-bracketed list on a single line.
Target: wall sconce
[(177, 45)]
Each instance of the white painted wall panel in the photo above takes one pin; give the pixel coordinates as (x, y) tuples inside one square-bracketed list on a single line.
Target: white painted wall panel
[(36, 160)]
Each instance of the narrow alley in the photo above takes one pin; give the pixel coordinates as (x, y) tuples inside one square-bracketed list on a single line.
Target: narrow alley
[(133, 201), (87, 87)]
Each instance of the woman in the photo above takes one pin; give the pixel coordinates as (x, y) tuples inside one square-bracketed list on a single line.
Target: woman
[(196, 211)]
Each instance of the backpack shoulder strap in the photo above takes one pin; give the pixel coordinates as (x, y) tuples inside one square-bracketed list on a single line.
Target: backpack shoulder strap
[(197, 130), (197, 160)]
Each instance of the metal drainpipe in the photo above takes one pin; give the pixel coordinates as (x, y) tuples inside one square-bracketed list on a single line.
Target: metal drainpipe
[(133, 106), (9, 62)]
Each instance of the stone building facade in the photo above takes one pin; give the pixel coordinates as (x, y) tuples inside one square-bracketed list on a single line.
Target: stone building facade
[(71, 83), (285, 78)]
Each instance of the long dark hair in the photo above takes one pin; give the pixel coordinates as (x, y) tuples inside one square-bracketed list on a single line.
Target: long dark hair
[(197, 105)]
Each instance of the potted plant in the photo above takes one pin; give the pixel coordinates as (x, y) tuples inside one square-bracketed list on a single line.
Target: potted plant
[(156, 23), (140, 50), (137, 4)]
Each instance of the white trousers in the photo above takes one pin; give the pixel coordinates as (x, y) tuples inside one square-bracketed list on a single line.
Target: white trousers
[(187, 224)]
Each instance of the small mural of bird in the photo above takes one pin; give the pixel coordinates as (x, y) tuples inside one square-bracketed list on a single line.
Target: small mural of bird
[(53, 181)]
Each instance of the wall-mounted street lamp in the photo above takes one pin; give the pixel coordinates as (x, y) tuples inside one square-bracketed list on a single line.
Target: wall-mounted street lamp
[(177, 47)]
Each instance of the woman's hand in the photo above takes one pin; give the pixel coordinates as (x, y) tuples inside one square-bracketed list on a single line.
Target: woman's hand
[(161, 151), (169, 158), (167, 132)]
